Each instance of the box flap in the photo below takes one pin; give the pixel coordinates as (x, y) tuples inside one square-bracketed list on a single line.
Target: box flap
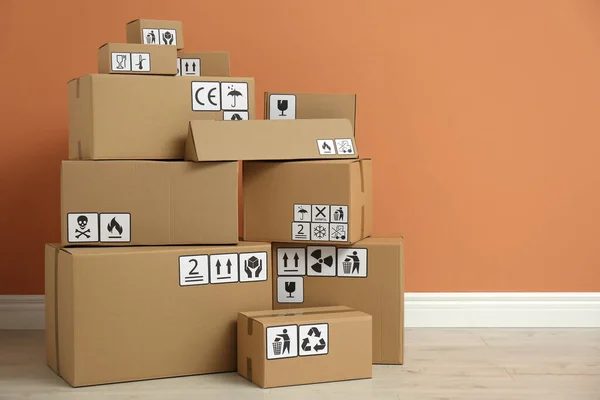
[(308, 139), (302, 314)]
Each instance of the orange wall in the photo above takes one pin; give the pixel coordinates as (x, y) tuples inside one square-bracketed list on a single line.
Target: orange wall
[(481, 117)]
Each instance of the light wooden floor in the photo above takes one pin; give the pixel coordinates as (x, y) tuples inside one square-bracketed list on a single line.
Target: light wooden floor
[(440, 364)]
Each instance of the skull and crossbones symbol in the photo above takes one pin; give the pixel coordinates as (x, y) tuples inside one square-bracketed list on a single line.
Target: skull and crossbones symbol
[(82, 222)]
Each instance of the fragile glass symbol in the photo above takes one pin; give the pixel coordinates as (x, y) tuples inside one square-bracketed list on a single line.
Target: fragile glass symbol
[(282, 105), (290, 287), (121, 61)]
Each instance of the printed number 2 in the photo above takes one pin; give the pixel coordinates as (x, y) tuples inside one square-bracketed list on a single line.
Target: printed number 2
[(195, 266), (300, 230)]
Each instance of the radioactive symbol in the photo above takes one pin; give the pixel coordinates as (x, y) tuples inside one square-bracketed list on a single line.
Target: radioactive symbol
[(318, 266)]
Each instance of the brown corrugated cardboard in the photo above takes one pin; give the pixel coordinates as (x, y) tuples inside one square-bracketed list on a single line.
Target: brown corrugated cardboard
[(324, 201), (304, 345), (148, 203), (158, 32), (210, 63), (372, 281), (137, 59), (270, 140), (147, 117), (310, 106), (131, 313)]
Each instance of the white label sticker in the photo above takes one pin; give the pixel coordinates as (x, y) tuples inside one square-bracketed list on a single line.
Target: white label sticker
[(339, 214), (320, 213), (189, 66), (168, 36), (206, 96), (319, 232), (223, 268), (253, 267), (282, 106), (290, 289), (193, 270), (313, 339), (282, 342), (235, 115), (300, 230), (326, 146), (150, 36), (115, 227), (82, 227), (302, 212), (234, 96), (120, 62), (321, 261), (291, 261), (338, 232), (344, 146), (140, 62), (352, 263)]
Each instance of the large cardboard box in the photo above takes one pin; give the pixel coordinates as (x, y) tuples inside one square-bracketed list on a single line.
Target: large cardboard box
[(324, 201), (130, 313), (148, 203), (310, 106), (367, 276), (147, 117), (137, 59), (304, 345), (156, 32), (270, 140), (210, 63)]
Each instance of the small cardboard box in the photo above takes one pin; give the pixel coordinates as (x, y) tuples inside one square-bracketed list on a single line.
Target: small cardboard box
[(131, 313), (367, 276), (270, 140), (310, 106), (152, 31), (211, 63), (113, 116), (304, 345), (137, 59), (126, 203), (325, 201)]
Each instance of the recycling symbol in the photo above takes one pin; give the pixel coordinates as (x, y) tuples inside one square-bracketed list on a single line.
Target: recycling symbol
[(314, 341)]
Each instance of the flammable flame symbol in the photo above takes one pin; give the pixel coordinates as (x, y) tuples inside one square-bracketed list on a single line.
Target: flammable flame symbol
[(114, 225)]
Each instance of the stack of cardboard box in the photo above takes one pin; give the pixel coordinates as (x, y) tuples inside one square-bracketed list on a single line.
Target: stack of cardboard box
[(150, 279)]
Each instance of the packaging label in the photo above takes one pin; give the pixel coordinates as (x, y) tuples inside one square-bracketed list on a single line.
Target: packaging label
[(282, 106), (221, 96), (313, 340), (98, 227), (193, 270), (316, 261), (328, 223), (326, 146), (159, 36), (204, 269), (282, 342), (133, 62), (188, 66), (290, 289), (344, 146)]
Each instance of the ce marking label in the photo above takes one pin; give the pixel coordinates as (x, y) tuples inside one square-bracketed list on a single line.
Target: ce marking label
[(206, 96)]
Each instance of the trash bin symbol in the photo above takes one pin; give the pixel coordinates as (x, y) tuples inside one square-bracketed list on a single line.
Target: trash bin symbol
[(347, 265), (277, 347)]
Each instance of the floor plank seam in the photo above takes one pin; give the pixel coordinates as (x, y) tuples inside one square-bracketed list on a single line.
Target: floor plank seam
[(509, 374)]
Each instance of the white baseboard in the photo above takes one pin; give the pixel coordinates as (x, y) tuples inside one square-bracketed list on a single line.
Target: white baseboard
[(422, 310)]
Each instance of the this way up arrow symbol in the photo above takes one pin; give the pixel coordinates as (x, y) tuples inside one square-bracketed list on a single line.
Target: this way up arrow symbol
[(187, 66), (228, 266), (194, 66), (296, 260), (285, 258)]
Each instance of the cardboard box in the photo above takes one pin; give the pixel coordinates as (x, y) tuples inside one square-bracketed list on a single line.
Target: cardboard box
[(158, 32), (325, 201), (270, 140), (147, 117), (131, 313), (137, 59), (367, 276), (212, 63), (310, 106), (304, 345), (125, 203)]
